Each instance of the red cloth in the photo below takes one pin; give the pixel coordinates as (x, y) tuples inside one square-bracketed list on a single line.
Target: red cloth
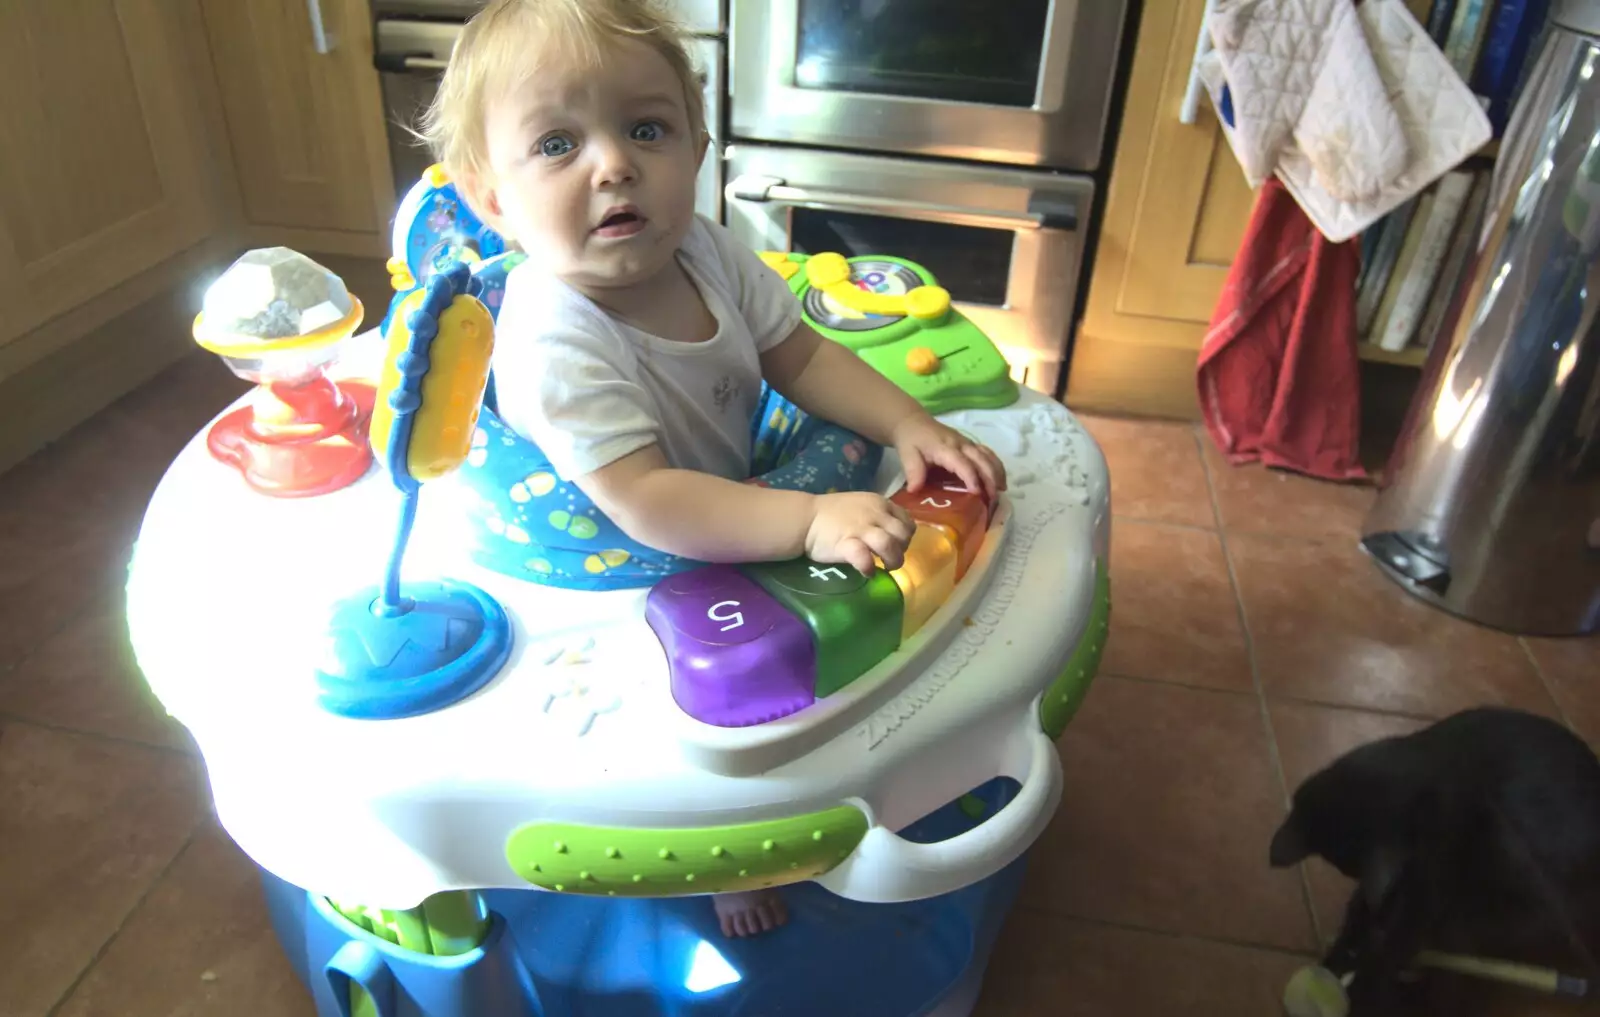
[(1278, 373)]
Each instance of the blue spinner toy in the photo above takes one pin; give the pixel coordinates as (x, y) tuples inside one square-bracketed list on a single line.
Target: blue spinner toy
[(434, 229)]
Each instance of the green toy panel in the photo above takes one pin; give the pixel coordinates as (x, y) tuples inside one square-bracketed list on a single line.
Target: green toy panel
[(971, 373), (1065, 694), (444, 925), (624, 862), (967, 371), (854, 620)]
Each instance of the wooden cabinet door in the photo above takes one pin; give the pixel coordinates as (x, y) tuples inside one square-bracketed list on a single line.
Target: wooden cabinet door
[(104, 163), (306, 127), (1176, 209)]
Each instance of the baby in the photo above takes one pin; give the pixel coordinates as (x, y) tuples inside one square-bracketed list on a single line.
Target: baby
[(632, 344)]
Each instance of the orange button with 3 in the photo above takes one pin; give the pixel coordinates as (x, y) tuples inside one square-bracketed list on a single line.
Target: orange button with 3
[(948, 505), (927, 578)]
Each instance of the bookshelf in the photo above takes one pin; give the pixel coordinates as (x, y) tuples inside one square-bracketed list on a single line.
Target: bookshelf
[(1414, 259), (1411, 356)]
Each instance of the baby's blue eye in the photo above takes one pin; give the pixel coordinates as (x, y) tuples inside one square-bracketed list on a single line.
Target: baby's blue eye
[(649, 130), (555, 146)]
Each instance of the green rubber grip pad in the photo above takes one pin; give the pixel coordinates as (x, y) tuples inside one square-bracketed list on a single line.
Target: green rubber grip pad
[(630, 862), (1065, 694)]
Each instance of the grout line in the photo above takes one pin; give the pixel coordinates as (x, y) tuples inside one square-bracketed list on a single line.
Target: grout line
[(1329, 704), (68, 618), (1173, 683), (1375, 711), (1149, 521), (167, 750), (1200, 436), (1275, 757), (1549, 686), (105, 947), (1107, 923)]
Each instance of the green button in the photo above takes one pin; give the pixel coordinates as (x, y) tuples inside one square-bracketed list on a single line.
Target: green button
[(855, 620), (806, 576)]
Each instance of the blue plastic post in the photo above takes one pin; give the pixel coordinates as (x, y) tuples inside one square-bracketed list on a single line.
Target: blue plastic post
[(400, 649)]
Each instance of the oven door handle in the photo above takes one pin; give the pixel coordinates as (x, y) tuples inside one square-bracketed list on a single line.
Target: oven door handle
[(397, 63), (1043, 213)]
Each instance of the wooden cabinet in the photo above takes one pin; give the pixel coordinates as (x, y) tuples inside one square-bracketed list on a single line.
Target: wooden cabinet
[(106, 167), (1176, 209), (143, 145), (305, 123)]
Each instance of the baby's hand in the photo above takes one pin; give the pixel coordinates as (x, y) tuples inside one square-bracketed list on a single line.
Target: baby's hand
[(923, 441), (855, 526)]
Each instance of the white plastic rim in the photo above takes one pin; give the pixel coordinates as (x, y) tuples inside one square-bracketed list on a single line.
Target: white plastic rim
[(885, 868)]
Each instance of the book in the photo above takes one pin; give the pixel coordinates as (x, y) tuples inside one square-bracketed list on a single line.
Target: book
[(1505, 47), (1383, 259), (1370, 238), (1438, 22), (1466, 35), (1402, 267), (1414, 286), (1463, 244)]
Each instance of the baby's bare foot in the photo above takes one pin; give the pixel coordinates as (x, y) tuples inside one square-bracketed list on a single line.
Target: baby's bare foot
[(750, 914)]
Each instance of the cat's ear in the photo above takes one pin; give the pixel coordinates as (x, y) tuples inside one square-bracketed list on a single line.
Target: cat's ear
[(1381, 869), (1289, 845)]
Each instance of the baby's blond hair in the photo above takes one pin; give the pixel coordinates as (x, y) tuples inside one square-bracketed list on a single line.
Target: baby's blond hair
[(509, 39)]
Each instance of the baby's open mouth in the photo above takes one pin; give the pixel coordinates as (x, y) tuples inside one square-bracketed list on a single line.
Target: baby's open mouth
[(620, 222)]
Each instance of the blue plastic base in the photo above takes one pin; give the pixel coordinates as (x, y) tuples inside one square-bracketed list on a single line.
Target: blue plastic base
[(451, 641), (551, 955)]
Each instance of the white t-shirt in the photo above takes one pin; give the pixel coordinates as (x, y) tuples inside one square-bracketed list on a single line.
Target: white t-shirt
[(589, 389)]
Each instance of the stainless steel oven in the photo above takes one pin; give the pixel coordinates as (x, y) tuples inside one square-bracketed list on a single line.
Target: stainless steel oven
[(1006, 243), (412, 40), (1021, 82)]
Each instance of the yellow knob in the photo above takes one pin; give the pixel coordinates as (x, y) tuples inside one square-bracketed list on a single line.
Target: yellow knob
[(922, 360), (928, 302), (435, 175), (828, 269), (400, 275)]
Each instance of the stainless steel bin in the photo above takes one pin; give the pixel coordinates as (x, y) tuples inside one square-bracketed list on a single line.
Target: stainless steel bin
[(1490, 504)]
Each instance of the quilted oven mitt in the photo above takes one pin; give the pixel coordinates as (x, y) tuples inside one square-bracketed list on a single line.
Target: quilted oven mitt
[(1301, 75), (1440, 119)]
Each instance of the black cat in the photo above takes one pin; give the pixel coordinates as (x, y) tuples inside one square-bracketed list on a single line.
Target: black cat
[(1479, 834)]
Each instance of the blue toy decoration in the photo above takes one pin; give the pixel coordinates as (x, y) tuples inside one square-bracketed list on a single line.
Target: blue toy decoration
[(531, 524), (400, 650), (434, 229)]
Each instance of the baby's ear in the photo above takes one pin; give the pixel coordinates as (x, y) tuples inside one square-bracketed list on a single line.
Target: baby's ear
[(1289, 845), (479, 193)]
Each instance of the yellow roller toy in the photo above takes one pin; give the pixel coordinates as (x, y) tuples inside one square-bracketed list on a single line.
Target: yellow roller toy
[(830, 273), (451, 389), (399, 650)]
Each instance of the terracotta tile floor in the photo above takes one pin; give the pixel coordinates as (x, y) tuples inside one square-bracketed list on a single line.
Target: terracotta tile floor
[(1251, 644)]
